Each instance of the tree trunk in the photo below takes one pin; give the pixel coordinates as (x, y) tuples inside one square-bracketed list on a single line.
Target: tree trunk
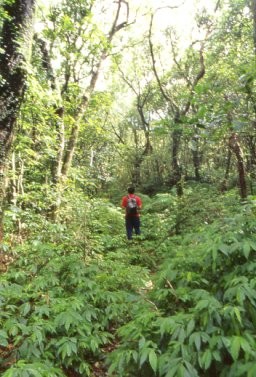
[(70, 150), (138, 159), (196, 160), (65, 151), (253, 10), (251, 143), (224, 182), (57, 162), (176, 139), (56, 165), (71, 145), (236, 149), (178, 111), (14, 40)]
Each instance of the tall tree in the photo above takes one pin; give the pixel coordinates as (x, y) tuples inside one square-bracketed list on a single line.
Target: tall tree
[(138, 82), (82, 48), (14, 54), (178, 110), (253, 9)]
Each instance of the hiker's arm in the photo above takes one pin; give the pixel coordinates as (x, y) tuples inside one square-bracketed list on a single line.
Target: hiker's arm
[(139, 202)]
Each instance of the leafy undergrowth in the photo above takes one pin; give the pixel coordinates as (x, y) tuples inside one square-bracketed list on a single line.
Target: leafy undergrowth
[(204, 295), (180, 300)]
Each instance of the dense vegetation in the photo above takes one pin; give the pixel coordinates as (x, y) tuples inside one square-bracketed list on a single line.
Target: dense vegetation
[(92, 100), (78, 299)]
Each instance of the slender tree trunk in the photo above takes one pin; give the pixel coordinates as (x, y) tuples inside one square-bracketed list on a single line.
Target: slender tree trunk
[(251, 142), (138, 159), (57, 164), (14, 181), (225, 180), (20, 175), (70, 150), (146, 127), (136, 175), (15, 188), (250, 92), (237, 150), (251, 161), (196, 161), (71, 145), (253, 10), (177, 176), (13, 42), (159, 170)]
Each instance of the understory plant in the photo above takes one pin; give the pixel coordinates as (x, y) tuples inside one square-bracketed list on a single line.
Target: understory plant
[(180, 300), (203, 313), (61, 301)]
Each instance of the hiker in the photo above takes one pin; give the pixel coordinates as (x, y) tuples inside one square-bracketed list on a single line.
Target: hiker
[(132, 204)]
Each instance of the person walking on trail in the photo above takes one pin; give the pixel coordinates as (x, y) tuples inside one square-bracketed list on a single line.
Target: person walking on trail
[(132, 204)]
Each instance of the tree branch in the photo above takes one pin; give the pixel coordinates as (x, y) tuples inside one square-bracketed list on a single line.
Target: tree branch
[(151, 47)]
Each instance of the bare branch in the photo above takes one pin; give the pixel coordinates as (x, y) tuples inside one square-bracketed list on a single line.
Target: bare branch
[(170, 7), (178, 64), (115, 27), (171, 286), (128, 82), (165, 95), (217, 6), (117, 135)]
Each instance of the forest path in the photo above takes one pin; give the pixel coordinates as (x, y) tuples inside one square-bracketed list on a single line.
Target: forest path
[(140, 253)]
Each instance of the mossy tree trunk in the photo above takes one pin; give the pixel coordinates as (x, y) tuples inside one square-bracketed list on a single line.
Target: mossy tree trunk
[(15, 39)]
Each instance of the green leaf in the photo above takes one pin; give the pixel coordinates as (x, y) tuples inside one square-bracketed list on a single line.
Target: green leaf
[(253, 245), (214, 254), (224, 249), (235, 347), (190, 327), (25, 308), (94, 345), (9, 373), (181, 371), (190, 370), (202, 304), (3, 338), (238, 315), (67, 347), (196, 339), (206, 359), (144, 356), (216, 355), (135, 356), (172, 370), (14, 331), (182, 335), (142, 342), (246, 249), (153, 360), (84, 369), (245, 346)]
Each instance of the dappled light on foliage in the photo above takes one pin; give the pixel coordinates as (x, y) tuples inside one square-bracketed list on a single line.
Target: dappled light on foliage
[(97, 96)]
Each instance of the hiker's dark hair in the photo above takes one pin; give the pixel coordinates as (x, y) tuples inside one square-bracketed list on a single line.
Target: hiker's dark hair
[(131, 190)]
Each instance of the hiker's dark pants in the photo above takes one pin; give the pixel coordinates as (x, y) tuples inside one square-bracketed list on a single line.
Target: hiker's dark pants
[(132, 222)]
